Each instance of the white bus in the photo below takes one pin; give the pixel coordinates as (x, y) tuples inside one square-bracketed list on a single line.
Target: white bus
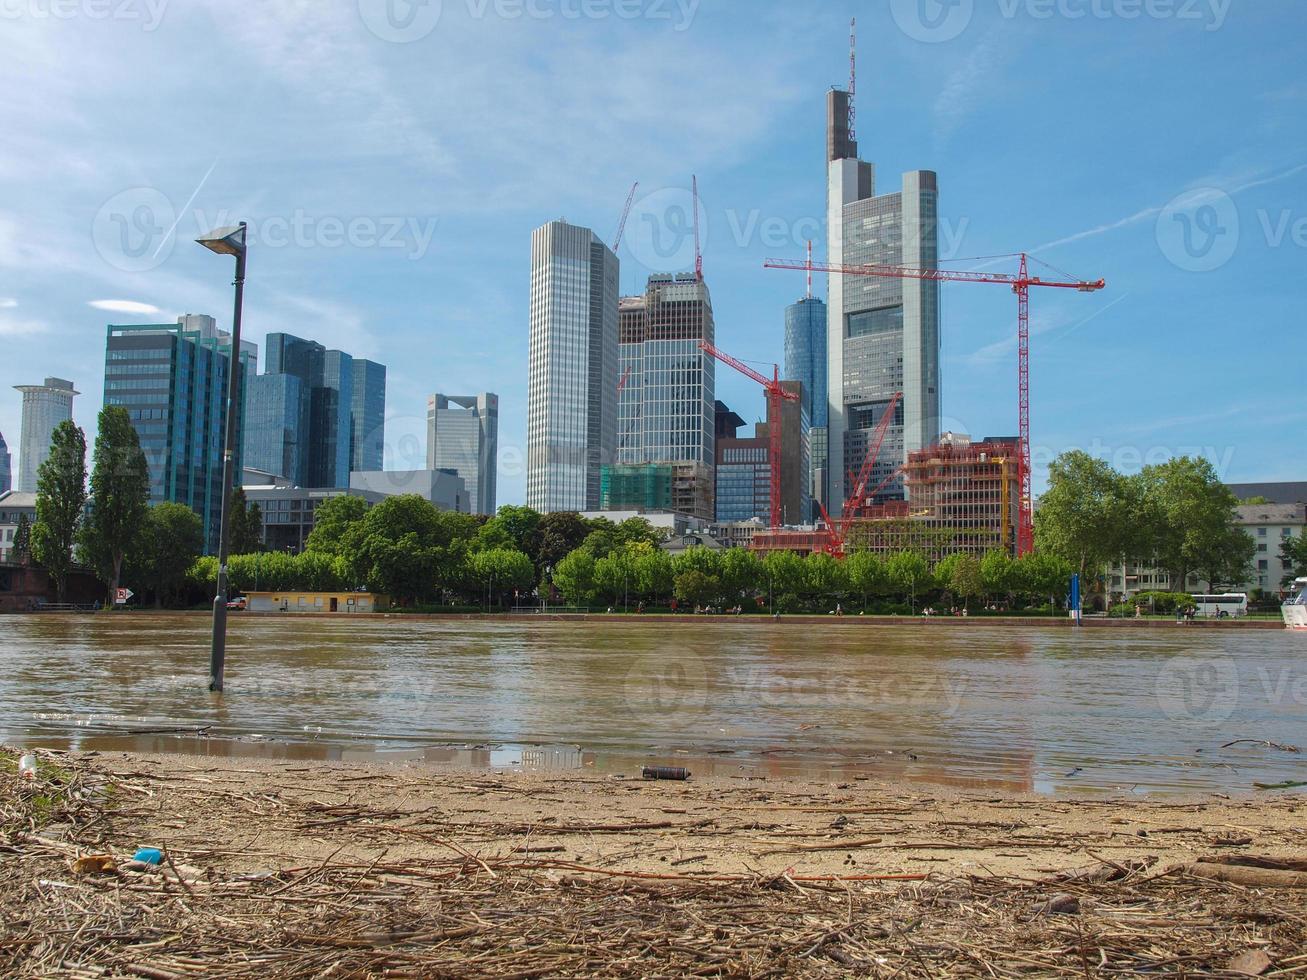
[(1229, 605)]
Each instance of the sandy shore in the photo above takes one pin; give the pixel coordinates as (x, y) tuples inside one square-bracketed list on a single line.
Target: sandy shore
[(283, 868)]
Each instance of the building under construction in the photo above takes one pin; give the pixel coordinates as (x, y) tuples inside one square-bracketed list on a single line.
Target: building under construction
[(963, 497), (681, 488)]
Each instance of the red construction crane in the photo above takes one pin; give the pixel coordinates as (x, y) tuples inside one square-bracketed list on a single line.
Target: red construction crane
[(860, 496), (1021, 284), (621, 385), (775, 396), (626, 213), (698, 255)]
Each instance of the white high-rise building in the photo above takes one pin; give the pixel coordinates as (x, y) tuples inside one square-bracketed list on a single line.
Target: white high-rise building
[(44, 407), (572, 391), (883, 333), (463, 436)]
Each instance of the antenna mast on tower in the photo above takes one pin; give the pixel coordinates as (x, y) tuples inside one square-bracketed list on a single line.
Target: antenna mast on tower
[(853, 78)]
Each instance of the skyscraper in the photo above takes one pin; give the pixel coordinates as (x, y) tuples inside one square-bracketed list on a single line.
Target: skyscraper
[(315, 415), (572, 391), (44, 407), (172, 381), (883, 334), (368, 417), (805, 362), (666, 409), (463, 436), (6, 472)]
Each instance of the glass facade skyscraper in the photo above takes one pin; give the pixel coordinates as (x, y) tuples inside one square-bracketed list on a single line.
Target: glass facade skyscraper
[(6, 472), (883, 333), (368, 417), (315, 415), (666, 409), (173, 383), (463, 436), (805, 361), (572, 385)]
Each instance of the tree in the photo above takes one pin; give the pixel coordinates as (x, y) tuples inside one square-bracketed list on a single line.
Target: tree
[(825, 580), (866, 574), (966, 582), (171, 540), (653, 569), (1085, 516), (1042, 576), (502, 571), (60, 498), (522, 525), (741, 571), (785, 578), (332, 521), (120, 492), (1225, 558), (1293, 553), (574, 577), (559, 534), (996, 574), (246, 525), (907, 573), (21, 550), (1188, 517), (695, 588), (406, 548)]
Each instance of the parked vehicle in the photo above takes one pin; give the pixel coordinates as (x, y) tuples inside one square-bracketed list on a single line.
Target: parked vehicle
[(240, 602), (1295, 607), (1231, 604)]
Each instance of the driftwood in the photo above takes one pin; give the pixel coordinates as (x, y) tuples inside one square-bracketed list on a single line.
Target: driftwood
[(1250, 871)]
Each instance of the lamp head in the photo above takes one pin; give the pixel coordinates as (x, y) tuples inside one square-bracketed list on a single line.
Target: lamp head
[(225, 241)]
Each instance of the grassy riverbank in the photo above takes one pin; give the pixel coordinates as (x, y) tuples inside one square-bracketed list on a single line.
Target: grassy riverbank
[(287, 869)]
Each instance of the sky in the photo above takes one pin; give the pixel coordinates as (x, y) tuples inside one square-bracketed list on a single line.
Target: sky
[(392, 159)]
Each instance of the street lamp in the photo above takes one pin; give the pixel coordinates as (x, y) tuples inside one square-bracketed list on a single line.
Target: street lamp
[(227, 241)]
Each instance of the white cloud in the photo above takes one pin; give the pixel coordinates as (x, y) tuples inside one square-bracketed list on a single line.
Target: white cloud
[(20, 327), (8, 304), (122, 306)]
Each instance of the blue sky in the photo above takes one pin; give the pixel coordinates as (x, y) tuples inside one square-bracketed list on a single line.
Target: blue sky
[(393, 160)]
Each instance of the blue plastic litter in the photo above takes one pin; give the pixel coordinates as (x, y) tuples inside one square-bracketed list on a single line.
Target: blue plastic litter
[(149, 855)]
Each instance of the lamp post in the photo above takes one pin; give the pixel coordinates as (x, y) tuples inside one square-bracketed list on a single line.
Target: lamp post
[(227, 241)]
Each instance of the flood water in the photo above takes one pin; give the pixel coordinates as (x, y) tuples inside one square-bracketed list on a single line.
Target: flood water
[(1045, 709)]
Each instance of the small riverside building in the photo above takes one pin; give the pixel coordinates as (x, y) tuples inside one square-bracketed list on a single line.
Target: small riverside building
[(339, 603)]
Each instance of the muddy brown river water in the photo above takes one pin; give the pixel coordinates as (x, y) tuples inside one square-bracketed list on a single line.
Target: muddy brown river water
[(1045, 709)]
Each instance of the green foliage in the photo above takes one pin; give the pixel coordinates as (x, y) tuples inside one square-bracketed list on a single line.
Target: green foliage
[(21, 550), (907, 574), (574, 577), (558, 536), (120, 489), (60, 498), (997, 575), (866, 575), (694, 588), (502, 572), (824, 579), (1159, 602), (332, 521), (966, 581), (1087, 512), (521, 529), (246, 519), (1293, 552), (172, 537), (1189, 520)]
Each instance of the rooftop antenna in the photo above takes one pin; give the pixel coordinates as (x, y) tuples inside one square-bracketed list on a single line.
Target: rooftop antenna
[(853, 78), (809, 268)]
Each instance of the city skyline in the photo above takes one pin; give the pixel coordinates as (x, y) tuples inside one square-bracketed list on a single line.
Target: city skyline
[(755, 143)]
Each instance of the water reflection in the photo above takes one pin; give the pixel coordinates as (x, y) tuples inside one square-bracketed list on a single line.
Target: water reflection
[(1044, 709)]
